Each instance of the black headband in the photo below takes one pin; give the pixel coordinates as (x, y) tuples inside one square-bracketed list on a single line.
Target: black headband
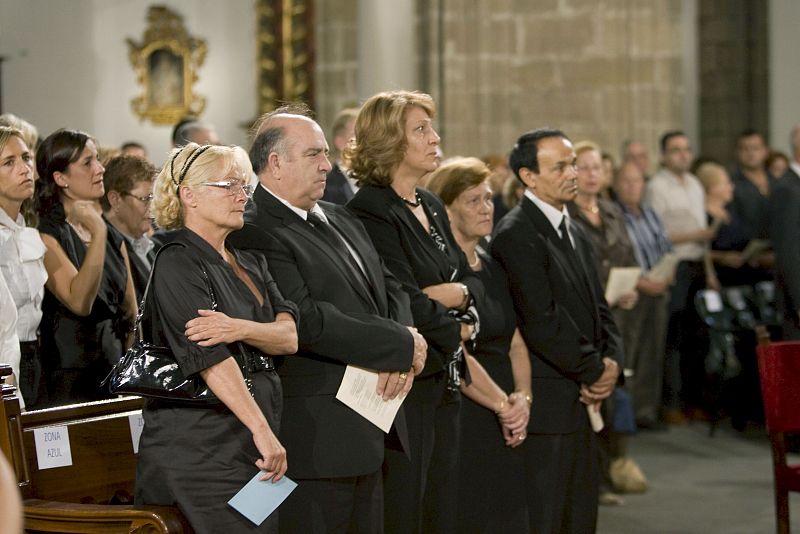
[(186, 165)]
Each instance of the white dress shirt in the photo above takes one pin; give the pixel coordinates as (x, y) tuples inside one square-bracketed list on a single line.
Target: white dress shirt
[(22, 264)]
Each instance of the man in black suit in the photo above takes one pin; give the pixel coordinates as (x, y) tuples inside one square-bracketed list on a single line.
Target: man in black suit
[(785, 234), (573, 343), (352, 312), (339, 187)]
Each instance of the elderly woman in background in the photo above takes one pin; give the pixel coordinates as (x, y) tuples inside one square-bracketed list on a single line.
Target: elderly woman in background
[(89, 304), (198, 457), (493, 423), (604, 224), (396, 147), (126, 205), (21, 260)]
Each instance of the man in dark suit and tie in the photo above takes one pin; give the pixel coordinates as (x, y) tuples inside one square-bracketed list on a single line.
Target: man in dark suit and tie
[(352, 312), (784, 219), (573, 343), (339, 187)]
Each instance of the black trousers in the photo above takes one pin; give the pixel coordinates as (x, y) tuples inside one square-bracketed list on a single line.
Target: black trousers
[(421, 494), (346, 505), (561, 471)]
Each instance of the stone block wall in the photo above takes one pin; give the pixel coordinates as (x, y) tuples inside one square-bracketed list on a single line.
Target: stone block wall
[(607, 70)]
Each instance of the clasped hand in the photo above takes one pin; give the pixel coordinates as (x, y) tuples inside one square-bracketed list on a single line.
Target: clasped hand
[(212, 328), (514, 419)]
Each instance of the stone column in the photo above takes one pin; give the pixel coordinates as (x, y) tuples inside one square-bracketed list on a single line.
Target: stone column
[(386, 46)]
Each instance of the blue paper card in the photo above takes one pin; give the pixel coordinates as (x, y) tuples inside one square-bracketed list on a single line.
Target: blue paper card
[(259, 498)]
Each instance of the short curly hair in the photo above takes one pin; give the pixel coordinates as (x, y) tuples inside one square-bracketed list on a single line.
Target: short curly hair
[(380, 141), (455, 176), (122, 175), (189, 166)]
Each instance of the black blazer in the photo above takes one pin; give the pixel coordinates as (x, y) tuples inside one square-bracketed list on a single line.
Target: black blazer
[(337, 188), (341, 323), (785, 235), (561, 314), (411, 255)]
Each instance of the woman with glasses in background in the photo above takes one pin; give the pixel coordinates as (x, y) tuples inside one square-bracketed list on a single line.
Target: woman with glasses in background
[(199, 456), (126, 205)]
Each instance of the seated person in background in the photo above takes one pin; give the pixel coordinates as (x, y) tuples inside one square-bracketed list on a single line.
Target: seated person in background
[(90, 302), (199, 456), (495, 422), (128, 182), (193, 131)]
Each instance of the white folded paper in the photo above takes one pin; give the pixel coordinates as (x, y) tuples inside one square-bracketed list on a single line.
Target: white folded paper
[(595, 419), (357, 391), (665, 268), (621, 280)]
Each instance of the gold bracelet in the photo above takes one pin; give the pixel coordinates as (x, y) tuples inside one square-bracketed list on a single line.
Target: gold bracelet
[(527, 396)]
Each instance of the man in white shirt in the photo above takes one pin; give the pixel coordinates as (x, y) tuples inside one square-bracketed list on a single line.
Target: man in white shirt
[(678, 198)]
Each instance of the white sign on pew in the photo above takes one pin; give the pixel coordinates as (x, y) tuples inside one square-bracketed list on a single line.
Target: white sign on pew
[(52, 447), (137, 424)]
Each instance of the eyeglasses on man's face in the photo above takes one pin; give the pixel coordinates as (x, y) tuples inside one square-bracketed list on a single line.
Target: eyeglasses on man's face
[(233, 187)]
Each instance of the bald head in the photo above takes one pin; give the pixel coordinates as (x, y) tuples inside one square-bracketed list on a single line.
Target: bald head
[(290, 156)]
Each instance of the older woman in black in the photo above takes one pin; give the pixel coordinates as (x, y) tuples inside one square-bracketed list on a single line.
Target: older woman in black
[(494, 424), (89, 304), (198, 457), (395, 147)]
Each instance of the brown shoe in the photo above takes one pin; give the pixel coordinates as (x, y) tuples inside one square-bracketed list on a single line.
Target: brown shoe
[(626, 476)]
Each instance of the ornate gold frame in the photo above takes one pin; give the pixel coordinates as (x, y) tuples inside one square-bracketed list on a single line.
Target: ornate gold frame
[(166, 65), (285, 52)]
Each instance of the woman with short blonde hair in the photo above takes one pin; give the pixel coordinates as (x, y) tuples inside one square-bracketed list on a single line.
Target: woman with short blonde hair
[(222, 316)]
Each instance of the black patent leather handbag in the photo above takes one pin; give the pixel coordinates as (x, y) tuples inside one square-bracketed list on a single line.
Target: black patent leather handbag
[(151, 371)]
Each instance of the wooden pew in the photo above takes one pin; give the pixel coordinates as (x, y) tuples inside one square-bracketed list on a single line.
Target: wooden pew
[(82, 497)]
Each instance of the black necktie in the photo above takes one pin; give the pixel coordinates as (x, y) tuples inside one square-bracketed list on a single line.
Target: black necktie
[(333, 238), (565, 235)]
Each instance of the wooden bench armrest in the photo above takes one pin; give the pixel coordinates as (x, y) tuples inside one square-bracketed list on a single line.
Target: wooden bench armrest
[(53, 516)]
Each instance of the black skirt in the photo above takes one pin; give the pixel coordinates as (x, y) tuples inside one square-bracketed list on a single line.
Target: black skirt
[(197, 458)]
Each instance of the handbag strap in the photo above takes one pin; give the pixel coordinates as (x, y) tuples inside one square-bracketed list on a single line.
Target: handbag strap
[(137, 327)]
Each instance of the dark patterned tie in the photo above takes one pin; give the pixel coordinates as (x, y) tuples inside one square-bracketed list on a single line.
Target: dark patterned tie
[(333, 238)]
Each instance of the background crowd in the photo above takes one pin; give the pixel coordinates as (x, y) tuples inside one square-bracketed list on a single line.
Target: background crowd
[(382, 252)]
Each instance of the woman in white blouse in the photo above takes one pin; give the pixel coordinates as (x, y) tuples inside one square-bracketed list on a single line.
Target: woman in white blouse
[(21, 257)]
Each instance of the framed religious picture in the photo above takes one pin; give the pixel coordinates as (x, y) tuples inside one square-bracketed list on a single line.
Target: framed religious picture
[(166, 64)]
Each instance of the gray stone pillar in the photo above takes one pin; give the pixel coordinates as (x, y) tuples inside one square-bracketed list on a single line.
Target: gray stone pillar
[(386, 46)]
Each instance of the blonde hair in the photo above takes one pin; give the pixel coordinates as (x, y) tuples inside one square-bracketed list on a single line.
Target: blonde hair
[(587, 146), (28, 132), (189, 166), (380, 141), (7, 132), (709, 174), (455, 176)]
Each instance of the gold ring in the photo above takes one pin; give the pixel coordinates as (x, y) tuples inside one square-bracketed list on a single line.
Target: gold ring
[(403, 377), (521, 437)]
